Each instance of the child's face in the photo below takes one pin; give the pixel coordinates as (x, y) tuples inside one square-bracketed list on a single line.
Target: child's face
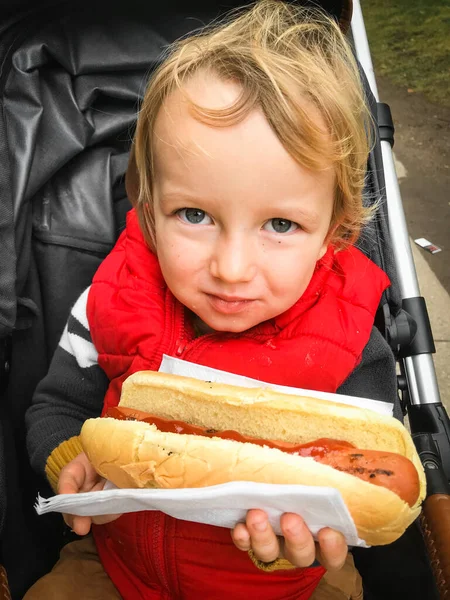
[(239, 224)]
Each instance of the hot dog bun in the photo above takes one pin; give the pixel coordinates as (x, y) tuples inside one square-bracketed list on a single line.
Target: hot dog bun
[(136, 454)]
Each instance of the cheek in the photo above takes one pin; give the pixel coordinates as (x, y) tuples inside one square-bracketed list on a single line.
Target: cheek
[(178, 257), (173, 260), (290, 273)]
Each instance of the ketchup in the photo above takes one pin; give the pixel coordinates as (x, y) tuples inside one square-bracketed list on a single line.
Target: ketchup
[(317, 449), (385, 469)]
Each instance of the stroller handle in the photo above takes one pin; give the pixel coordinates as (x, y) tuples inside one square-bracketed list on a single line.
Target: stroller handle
[(5, 593), (435, 523)]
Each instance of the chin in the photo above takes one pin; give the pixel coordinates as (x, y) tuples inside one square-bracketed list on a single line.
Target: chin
[(228, 326)]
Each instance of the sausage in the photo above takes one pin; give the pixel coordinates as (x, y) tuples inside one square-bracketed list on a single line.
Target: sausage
[(386, 469), (389, 470)]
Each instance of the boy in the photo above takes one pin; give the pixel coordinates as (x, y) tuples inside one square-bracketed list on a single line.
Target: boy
[(250, 150)]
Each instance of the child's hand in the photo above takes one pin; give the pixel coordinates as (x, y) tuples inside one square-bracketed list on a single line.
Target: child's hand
[(80, 476), (297, 546)]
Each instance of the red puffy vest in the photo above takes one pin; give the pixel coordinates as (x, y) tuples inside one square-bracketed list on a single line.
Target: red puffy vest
[(134, 319)]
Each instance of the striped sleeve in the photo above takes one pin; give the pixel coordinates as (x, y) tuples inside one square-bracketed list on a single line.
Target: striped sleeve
[(72, 391), (76, 338)]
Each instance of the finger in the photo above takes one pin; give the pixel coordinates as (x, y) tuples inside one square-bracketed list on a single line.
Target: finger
[(332, 549), (299, 547), (82, 525), (72, 478), (264, 542), (241, 537), (68, 520), (103, 519), (98, 486), (79, 476), (79, 525)]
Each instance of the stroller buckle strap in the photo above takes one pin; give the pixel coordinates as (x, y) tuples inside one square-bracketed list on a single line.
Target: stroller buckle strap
[(5, 362)]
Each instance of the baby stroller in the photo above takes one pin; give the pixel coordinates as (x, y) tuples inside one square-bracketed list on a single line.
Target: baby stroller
[(71, 77)]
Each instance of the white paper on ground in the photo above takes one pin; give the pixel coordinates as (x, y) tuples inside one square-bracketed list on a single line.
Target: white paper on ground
[(222, 505), (176, 366)]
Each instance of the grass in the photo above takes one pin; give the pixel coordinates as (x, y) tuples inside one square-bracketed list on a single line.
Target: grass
[(410, 44)]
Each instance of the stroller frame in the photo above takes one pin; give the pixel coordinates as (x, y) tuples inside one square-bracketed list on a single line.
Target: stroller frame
[(422, 381), (429, 421), (410, 337)]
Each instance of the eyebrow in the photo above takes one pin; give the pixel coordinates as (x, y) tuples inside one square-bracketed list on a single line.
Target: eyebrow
[(178, 196), (312, 217)]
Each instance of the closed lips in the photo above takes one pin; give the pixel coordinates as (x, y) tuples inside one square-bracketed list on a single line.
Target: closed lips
[(230, 298)]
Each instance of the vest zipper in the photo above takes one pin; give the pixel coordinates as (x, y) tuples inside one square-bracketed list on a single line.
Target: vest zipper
[(159, 553), (179, 341), (183, 347), (189, 350)]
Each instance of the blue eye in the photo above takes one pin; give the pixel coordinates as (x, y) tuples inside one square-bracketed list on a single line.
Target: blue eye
[(280, 226), (194, 216)]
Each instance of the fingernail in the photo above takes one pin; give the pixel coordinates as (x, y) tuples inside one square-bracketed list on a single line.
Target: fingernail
[(294, 530), (243, 539), (260, 526)]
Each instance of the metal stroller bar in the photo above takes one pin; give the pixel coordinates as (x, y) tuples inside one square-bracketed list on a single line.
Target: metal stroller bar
[(420, 372), (430, 426)]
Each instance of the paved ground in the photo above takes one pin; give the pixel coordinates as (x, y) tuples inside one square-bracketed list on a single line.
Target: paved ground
[(422, 144), (438, 302), (422, 152)]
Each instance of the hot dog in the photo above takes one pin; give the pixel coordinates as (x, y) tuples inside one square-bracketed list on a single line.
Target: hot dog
[(171, 431), (387, 469)]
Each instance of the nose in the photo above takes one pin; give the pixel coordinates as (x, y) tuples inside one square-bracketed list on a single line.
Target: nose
[(234, 259)]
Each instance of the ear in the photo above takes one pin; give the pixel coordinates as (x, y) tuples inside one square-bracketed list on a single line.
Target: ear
[(323, 250), (327, 241), (132, 179)]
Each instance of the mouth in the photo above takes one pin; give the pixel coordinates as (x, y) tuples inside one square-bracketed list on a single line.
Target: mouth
[(229, 304)]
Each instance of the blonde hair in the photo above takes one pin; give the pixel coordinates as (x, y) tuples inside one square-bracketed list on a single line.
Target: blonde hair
[(281, 56)]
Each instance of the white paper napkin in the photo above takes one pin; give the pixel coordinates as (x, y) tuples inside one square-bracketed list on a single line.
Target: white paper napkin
[(176, 366), (221, 505)]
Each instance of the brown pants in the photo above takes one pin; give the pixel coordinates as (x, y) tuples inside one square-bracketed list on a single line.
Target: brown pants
[(79, 575), (345, 584)]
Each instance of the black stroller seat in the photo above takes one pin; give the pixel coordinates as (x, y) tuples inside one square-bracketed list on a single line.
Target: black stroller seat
[(72, 75)]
